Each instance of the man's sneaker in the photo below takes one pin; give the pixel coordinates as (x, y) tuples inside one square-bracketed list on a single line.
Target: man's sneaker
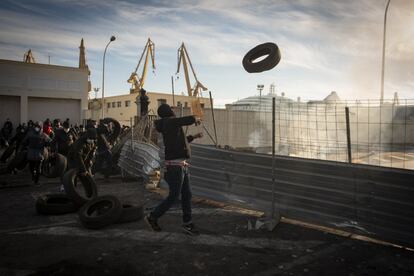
[(152, 223), (190, 229)]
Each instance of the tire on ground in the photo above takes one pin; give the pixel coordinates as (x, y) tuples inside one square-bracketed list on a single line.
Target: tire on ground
[(7, 153), (273, 57), (100, 212), (55, 204), (71, 179), (130, 213), (54, 166), (18, 162)]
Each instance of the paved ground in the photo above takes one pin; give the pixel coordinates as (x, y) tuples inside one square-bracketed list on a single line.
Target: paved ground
[(31, 244)]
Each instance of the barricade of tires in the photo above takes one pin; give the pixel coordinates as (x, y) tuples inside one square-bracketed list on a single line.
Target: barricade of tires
[(94, 211)]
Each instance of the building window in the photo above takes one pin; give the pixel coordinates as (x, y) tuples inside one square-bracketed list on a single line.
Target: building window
[(119, 104), (108, 105), (185, 104), (161, 101), (113, 104), (202, 105), (127, 103), (178, 103)]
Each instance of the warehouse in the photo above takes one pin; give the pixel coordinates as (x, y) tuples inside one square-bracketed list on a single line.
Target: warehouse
[(32, 91)]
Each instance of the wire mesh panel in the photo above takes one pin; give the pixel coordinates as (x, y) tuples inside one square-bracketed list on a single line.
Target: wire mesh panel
[(380, 134)]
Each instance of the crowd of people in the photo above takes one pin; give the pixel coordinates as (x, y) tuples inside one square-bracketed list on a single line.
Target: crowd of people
[(81, 145)]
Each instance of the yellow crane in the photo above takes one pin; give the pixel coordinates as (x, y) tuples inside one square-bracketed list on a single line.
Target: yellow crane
[(182, 57), (28, 57), (138, 82)]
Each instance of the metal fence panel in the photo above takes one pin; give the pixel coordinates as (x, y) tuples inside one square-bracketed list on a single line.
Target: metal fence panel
[(375, 201)]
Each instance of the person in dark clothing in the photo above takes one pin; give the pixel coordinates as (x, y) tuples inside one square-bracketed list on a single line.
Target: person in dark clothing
[(177, 151), (56, 124), (36, 142), (18, 138), (144, 101), (103, 153), (62, 140), (82, 151), (7, 130)]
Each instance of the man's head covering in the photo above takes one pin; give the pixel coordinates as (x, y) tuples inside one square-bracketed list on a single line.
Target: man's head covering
[(164, 111)]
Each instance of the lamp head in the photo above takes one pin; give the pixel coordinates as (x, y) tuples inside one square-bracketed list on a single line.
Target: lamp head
[(113, 38)]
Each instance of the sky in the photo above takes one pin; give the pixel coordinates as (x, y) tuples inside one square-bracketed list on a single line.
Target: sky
[(326, 45)]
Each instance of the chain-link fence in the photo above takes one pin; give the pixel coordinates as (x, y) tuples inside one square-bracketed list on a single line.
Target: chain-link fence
[(379, 134)]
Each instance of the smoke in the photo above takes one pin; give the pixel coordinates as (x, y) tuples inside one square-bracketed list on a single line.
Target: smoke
[(365, 72)]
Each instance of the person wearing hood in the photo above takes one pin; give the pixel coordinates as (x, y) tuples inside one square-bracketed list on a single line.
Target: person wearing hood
[(177, 151), (36, 142), (18, 138), (6, 131), (62, 140), (103, 154), (82, 151)]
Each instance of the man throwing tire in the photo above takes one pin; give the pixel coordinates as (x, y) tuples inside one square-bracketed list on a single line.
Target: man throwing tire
[(177, 151)]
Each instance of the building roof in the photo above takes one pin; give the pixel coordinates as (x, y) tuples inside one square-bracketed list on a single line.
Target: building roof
[(37, 65), (333, 97)]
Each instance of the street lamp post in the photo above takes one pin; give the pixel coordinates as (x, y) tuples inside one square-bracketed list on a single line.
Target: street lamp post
[(383, 52), (103, 75)]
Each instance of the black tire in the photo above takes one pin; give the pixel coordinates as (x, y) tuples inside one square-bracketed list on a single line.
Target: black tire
[(116, 131), (100, 212), (18, 162), (71, 178), (130, 213), (55, 204), (7, 153), (55, 166), (268, 63)]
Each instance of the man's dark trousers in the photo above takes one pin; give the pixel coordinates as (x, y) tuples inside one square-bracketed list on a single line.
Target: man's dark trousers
[(178, 181)]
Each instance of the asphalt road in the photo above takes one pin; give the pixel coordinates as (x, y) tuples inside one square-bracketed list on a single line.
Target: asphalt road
[(32, 244)]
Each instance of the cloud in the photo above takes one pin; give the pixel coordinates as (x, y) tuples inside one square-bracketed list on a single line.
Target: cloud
[(324, 44)]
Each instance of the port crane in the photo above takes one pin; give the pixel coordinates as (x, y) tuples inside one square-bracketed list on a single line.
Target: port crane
[(137, 83), (28, 57), (193, 91), (182, 57)]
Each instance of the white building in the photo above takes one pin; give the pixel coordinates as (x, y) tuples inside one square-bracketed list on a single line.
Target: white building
[(32, 91)]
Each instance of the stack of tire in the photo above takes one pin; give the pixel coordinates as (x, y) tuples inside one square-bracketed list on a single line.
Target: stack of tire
[(94, 212)]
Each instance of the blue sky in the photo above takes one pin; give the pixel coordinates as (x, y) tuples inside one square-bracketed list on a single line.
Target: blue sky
[(326, 45)]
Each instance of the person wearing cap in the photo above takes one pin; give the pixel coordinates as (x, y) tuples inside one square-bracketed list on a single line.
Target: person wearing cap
[(177, 151), (36, 141), (82, 151)]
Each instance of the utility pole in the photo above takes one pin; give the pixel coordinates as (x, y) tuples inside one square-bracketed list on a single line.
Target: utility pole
[(103, 75), (383, 52)]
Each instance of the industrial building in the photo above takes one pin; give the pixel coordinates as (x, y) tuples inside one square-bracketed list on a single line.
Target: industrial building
[(123, 107), (33, 91)]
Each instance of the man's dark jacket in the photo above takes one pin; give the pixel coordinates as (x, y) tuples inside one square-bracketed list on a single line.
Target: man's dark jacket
[(80, 154), (175, 142), (62, 141)]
